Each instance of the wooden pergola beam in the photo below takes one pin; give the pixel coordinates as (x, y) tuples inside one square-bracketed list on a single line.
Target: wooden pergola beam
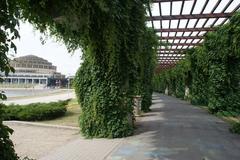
[(167, 63), (184, 44), (160, 1), (167, 58), (190, 16), (172, 58), (182, 37), (184, 29), (173, 52), (168, 49), (170, 53)]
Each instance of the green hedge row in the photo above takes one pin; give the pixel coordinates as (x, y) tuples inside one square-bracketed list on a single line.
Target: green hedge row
[(210, 71), (35, 111)]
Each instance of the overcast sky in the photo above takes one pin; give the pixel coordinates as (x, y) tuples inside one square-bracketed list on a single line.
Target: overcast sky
[(55, 52)]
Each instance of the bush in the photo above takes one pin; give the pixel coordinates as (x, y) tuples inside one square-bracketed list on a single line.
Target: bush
[(7, 151), (35, 111), (235, 128)]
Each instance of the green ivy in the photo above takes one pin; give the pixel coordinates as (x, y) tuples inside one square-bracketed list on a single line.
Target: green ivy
[(118, 56), (112, 44), (147, 66), (211, 71), (107, 80), (8, 33)]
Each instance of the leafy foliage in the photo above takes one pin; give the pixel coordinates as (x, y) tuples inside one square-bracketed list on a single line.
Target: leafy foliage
[(212, 71), (147, 62), (118, 56), (7, 151), (8, 32), (35, 111), (113, 37), (175, 79), (235, 128), (108, 79)]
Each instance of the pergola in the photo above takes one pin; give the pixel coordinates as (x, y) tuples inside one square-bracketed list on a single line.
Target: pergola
[(182, 24)]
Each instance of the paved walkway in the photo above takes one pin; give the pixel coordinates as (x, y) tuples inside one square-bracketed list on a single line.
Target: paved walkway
[(52, 142), (44, 99), (37, 140), (173, 130), (176, 130)]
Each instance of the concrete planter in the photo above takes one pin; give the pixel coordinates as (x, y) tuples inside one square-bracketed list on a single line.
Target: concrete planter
[(137, 101)]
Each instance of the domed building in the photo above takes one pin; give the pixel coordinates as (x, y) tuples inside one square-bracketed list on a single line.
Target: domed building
[(31, 69)]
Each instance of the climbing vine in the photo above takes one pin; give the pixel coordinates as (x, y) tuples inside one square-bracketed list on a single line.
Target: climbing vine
[(109, 87), (8, 32), (114, 40), (146, 62), (213, 70)]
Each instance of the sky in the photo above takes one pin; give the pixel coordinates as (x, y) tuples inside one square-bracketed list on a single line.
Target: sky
[(55, 52)]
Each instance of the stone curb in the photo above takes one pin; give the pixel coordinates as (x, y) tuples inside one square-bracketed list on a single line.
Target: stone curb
[(39, 125)]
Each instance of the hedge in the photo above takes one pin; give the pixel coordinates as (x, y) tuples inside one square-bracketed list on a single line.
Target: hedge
[(35, 111)]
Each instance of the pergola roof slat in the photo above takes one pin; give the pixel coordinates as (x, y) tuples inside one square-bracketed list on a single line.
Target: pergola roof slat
[(159, 1), (186, 28), (182, 37), (191, 16)]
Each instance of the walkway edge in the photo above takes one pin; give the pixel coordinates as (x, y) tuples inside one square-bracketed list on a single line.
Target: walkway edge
[(40, 125)]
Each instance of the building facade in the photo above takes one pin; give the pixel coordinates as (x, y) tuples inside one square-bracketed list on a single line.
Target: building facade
[(34, 70)]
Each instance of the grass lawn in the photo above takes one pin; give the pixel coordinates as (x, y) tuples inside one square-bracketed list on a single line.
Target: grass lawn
[(230, 119), (70, 118), (227, 116)]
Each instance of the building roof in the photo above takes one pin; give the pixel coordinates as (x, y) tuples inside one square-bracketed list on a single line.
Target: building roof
[(32, 61)]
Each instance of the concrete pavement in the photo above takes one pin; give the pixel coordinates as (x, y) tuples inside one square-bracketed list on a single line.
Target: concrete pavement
[(37, 140), (44, 99), (173, 130), (53, 142), (176, 130)]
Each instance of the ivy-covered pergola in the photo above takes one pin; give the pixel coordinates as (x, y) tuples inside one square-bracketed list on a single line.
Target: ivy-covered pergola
[(185, 23), (120, 54), (203, 66)]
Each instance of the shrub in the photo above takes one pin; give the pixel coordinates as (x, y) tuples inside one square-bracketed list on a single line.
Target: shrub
[(235, 128), (7, 151), (35, 111)]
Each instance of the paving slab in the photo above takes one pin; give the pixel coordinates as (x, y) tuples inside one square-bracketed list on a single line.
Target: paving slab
[(176, 130), (37, 140), (84, 149), (54, 142)]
